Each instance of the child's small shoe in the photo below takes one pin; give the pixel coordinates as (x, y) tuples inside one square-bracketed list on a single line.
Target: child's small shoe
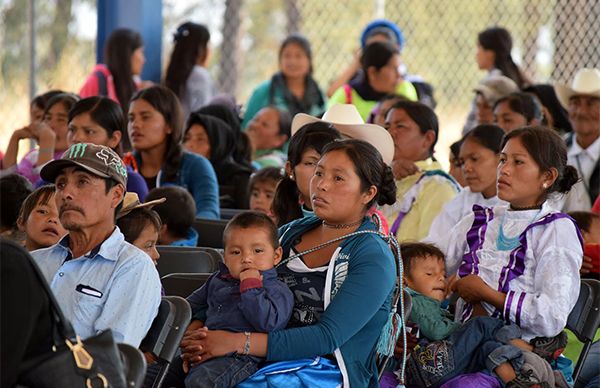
[(550, 348), (526, 379)]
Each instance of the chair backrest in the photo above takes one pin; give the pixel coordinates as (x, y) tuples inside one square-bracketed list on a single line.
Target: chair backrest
[(183, 316), (160, 328), (183, 284), (227, 214), (210, 232), (584, 319), (186, 259), (214, 252), (135, 365)]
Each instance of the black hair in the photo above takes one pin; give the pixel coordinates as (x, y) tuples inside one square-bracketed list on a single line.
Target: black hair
[(584, 219), (243, 150), (310, 136), (559, 115), (548, 150), (252, 219), (498, 40), (191, 41), (370, 168), (487, 135), (455, 148), (411, 252), (41, 196), (267, 174), (133, 223), (41, 100), (118, 49), (167, 104), (104, 112), (178, 212), (14, 189), (525, 104), (377, 54), (300, 41), (68, 100), (422, 115)]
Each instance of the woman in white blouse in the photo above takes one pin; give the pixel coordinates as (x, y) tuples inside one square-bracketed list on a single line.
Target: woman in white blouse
[(520, 261)]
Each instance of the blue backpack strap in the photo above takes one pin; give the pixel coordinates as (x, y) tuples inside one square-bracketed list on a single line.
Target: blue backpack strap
[(102, 87)]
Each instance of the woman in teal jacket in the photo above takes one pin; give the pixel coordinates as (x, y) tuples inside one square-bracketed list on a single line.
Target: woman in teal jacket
[(342, 291), (293, 88)]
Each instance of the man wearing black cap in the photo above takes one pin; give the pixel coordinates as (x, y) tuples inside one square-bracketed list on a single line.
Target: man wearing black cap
[(100, 281)]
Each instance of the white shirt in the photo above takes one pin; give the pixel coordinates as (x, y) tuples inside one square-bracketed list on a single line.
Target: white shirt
[(539, 299), (584, 160), (455, 210)]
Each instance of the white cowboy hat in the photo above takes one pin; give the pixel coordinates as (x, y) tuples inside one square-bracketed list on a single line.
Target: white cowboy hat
[(346, 119), (586, 82)]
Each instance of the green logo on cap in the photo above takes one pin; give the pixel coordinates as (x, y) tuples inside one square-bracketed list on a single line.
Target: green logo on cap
[(77, 150)]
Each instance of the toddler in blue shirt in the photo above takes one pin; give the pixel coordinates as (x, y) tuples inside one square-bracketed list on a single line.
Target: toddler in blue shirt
[(244, 296)]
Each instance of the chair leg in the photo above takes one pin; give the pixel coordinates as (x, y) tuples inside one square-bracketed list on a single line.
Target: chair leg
[(582, 356), (162, 373)]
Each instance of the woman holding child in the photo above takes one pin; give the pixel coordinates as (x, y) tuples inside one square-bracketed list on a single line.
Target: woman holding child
[(350, 281), (520, 261)]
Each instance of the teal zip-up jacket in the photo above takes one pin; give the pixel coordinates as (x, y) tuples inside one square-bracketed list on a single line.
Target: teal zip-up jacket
[(358, 291)]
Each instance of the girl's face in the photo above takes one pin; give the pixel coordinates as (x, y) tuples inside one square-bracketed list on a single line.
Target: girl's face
[(508, 119), (137, 61), (335, 190), (43, 227), (456, 170), (294, 63), (83, 129), (196, 141), (485, 58), (146, 126), (303, 173), (520, 180), (56, 117), (386, 79), (478, 166), (261, 197), (263, 130), (147, 240), (409, 142)]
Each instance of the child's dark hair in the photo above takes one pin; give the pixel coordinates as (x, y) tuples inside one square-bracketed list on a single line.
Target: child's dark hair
[(548, 150), (133, 223), (455, 148), (41, 195), (377, 54), (584, 219), (252, 219), (14, 189), (41, 100), (310, 136), (412, 252), (525, 104), (178, 212), (486, 135), (267, 174)]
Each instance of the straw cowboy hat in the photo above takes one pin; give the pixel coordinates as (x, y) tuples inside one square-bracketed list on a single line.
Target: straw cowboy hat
[(131, 201), (586, 82), (346, 119)]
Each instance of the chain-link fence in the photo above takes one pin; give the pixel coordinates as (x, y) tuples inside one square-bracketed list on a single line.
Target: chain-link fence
[(552, 39)]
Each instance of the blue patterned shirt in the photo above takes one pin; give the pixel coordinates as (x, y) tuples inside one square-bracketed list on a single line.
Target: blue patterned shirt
[(114, 286)]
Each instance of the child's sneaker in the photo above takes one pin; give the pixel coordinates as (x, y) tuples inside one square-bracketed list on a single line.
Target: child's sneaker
[(526, 379), (549, 348)]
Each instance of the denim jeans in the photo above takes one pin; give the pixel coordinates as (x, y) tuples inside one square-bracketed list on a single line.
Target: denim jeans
[(222, 372), (590, 369), (481, 343)]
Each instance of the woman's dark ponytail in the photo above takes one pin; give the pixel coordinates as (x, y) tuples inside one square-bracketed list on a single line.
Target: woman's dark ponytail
[(286, 206)]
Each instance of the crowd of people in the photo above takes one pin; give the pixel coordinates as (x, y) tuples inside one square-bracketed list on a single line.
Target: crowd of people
[(493, 250)]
